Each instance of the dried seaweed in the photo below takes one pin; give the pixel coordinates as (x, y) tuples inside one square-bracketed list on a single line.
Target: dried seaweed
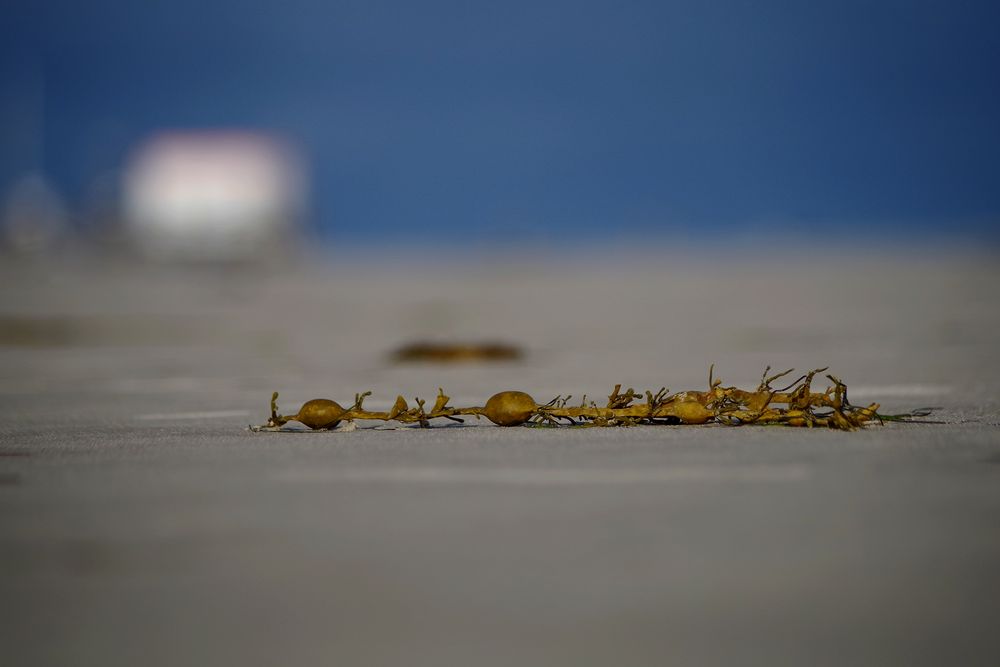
[(426, 351), (795, 404)]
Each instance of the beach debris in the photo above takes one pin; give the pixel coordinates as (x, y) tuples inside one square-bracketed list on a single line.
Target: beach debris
[(795, 404), (427, 351)]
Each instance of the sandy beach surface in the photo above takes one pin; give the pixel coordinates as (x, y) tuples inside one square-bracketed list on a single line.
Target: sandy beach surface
[(142, 523)]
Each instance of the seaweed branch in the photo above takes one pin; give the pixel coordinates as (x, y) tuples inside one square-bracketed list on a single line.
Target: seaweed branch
[(793, 405)]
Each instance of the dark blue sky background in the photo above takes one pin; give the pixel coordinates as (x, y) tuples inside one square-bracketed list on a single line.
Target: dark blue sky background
[(598, 118)]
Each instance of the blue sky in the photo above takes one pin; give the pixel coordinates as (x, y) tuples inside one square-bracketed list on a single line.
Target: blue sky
[(466, 119)]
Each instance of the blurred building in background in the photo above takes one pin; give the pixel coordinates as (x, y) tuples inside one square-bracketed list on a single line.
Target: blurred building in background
[(223, 195), (33, 217)]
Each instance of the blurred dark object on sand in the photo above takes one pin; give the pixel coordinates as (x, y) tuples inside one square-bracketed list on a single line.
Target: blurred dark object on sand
[(430, 352)]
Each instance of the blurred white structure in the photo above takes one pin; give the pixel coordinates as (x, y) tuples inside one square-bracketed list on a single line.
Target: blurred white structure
[(214, 196)]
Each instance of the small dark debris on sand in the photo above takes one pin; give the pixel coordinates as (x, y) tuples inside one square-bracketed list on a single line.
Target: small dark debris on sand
[(423, 351)]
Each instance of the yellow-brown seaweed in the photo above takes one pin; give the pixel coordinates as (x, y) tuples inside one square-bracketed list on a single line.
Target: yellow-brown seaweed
[(794, 405)]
